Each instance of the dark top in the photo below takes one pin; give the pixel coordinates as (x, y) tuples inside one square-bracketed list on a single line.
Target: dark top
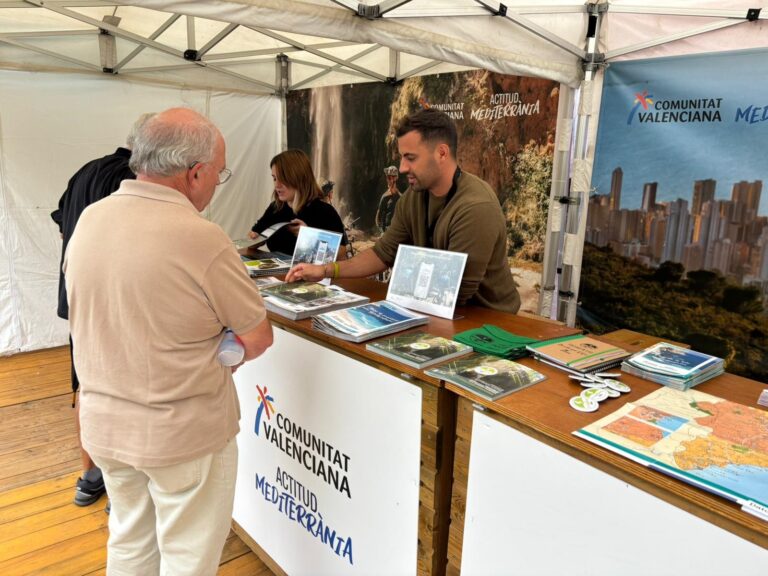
[(94, 181), (315, 214)]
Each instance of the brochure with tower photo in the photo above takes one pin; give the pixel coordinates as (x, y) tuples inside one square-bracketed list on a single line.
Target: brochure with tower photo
[(426, 279), (315, 246)]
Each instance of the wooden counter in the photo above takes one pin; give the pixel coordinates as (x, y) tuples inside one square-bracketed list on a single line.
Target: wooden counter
[(438, 409), (542, 412)]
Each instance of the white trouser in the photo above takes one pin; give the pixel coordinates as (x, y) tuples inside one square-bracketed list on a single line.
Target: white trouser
[(170, 520)]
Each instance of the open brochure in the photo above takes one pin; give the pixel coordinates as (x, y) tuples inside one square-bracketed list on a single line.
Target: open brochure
[(266, 234), (298, 300), (368, 321), (426, 279), (315, 246)]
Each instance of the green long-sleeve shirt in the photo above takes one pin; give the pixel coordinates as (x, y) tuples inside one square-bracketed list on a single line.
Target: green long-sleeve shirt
[(472, 223)]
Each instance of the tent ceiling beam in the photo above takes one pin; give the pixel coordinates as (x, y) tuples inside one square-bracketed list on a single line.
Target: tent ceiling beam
[(267, 51), (667, 11), (216, 39), (336, 67), (142, 41), (397, 9), (50, 53), (242, 77), (671, 38), (327, 67), (319, 53), (101, 25), (163, 27), (63, 3), (419, 70), (500, 9), (187, 64), (46, 33)]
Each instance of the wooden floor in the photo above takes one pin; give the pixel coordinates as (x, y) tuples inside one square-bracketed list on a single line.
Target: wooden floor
[(41, 530)]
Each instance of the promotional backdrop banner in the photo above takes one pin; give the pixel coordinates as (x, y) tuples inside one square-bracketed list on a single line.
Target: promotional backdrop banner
[(677, 230), (506, 128)]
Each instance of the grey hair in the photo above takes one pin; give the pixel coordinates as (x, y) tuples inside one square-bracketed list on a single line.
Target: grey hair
[(164, 148), (140, 121)]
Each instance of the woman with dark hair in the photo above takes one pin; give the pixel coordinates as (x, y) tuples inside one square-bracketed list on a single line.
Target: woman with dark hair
[(297, 199)]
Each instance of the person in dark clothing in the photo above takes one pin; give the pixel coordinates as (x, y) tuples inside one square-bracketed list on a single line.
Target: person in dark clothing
[(97, 179), (297, 199), (388, 201)]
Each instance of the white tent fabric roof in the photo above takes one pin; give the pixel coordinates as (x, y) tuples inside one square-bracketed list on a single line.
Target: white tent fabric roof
[(327, 43)]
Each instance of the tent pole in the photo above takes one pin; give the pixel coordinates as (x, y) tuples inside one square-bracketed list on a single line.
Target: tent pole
[(283, 82), (558, 198), (567, 219)]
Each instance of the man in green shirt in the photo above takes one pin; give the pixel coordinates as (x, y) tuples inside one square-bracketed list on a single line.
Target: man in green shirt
[(443, 208)]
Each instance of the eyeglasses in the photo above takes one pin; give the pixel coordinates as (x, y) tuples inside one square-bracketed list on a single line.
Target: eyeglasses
[(224, 174)]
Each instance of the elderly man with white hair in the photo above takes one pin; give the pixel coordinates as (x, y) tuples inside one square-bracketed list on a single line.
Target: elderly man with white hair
[(152, 287)]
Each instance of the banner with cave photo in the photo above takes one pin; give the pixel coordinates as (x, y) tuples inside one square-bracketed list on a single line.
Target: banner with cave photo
[(677, 227), (506, 129)]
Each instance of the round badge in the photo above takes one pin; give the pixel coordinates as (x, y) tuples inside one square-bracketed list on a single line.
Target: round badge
[(595, 394), (582, 404), (419, 346), (611, 392), (593, 384), (616, 385), (486, 370)]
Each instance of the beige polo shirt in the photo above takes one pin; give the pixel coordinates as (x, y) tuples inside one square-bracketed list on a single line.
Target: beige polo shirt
[(151, 286)]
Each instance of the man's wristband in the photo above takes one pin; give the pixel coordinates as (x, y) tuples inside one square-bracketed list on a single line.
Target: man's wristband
[(335, 270)]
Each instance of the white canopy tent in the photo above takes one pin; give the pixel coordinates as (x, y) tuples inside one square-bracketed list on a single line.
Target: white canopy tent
[(235, 59)]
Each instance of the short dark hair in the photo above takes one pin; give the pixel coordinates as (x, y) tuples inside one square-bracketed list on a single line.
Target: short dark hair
[(432, 126)]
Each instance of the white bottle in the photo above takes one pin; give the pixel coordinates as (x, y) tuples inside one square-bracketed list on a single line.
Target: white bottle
[(231, 351)]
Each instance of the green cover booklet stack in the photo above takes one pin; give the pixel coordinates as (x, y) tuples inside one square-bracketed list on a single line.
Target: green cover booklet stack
[(490, 339)]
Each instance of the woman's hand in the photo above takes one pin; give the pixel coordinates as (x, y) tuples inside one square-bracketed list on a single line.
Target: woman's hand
[(252, 235), (294, 226)]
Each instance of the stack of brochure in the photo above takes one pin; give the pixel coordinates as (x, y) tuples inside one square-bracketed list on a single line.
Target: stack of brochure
[(673, 366), (487, 376), (578, 354), (264, 281), (298, 300), (490, 339), (368, 321), (267, 266), (419, 349)]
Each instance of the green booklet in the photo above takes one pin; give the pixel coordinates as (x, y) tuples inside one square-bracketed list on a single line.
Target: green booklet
[(490, 339), (418, 349), (488, 376)]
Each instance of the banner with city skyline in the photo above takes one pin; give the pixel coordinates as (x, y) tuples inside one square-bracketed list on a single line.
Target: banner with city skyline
[(677, 226)]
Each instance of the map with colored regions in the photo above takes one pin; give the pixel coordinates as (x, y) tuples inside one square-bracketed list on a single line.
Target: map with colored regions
[(715, 444)]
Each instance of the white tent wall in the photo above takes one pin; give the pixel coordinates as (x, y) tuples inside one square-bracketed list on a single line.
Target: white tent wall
[(50, 125)]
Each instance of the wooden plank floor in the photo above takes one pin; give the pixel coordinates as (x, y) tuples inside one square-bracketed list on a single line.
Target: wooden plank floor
[(41, 530)]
